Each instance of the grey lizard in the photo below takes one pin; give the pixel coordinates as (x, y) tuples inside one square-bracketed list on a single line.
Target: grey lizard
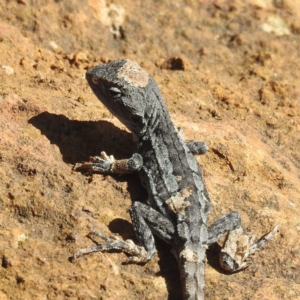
[(178, 203)]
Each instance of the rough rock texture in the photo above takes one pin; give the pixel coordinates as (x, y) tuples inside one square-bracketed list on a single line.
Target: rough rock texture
[(230, 76)]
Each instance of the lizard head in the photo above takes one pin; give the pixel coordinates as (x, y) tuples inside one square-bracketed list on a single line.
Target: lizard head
[(125, 89)]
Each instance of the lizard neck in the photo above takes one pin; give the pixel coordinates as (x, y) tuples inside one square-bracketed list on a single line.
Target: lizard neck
[(157, 124)]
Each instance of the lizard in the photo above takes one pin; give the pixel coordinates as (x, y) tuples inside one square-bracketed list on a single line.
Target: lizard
[(178, 205)]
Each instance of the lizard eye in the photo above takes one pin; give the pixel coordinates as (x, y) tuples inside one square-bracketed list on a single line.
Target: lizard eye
[(94, 80), (115, 92)]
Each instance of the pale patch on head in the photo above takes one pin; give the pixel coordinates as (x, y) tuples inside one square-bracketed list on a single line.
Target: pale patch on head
[(133, 74)]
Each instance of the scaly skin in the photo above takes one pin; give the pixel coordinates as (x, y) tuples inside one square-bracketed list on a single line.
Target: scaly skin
[(178, 199)]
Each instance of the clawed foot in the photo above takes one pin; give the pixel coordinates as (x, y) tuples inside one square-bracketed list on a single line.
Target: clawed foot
[(137, 254), (102, 163), (108, 164), (239, 249)]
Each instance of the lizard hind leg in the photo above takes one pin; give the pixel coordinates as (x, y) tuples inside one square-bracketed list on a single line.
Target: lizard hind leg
[(239, 249), (114, 244), (146, 221)]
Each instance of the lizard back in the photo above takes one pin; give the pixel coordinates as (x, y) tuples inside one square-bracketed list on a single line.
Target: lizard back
[(170, 173)]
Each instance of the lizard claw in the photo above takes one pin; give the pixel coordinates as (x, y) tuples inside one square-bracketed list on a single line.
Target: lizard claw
[(104, 156), (102, 163)]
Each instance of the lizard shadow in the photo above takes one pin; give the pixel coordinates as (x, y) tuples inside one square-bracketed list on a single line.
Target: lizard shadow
[(77, 141), (212, 255)]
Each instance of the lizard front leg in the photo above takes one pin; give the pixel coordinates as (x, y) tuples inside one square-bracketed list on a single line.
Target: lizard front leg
[(146, 221), (108, 164), (238, 249), (197, 147)]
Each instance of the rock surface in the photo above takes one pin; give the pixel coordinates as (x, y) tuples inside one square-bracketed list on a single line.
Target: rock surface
[(229, 73)]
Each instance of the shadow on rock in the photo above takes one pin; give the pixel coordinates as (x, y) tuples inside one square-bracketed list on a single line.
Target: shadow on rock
[(78, 140)]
